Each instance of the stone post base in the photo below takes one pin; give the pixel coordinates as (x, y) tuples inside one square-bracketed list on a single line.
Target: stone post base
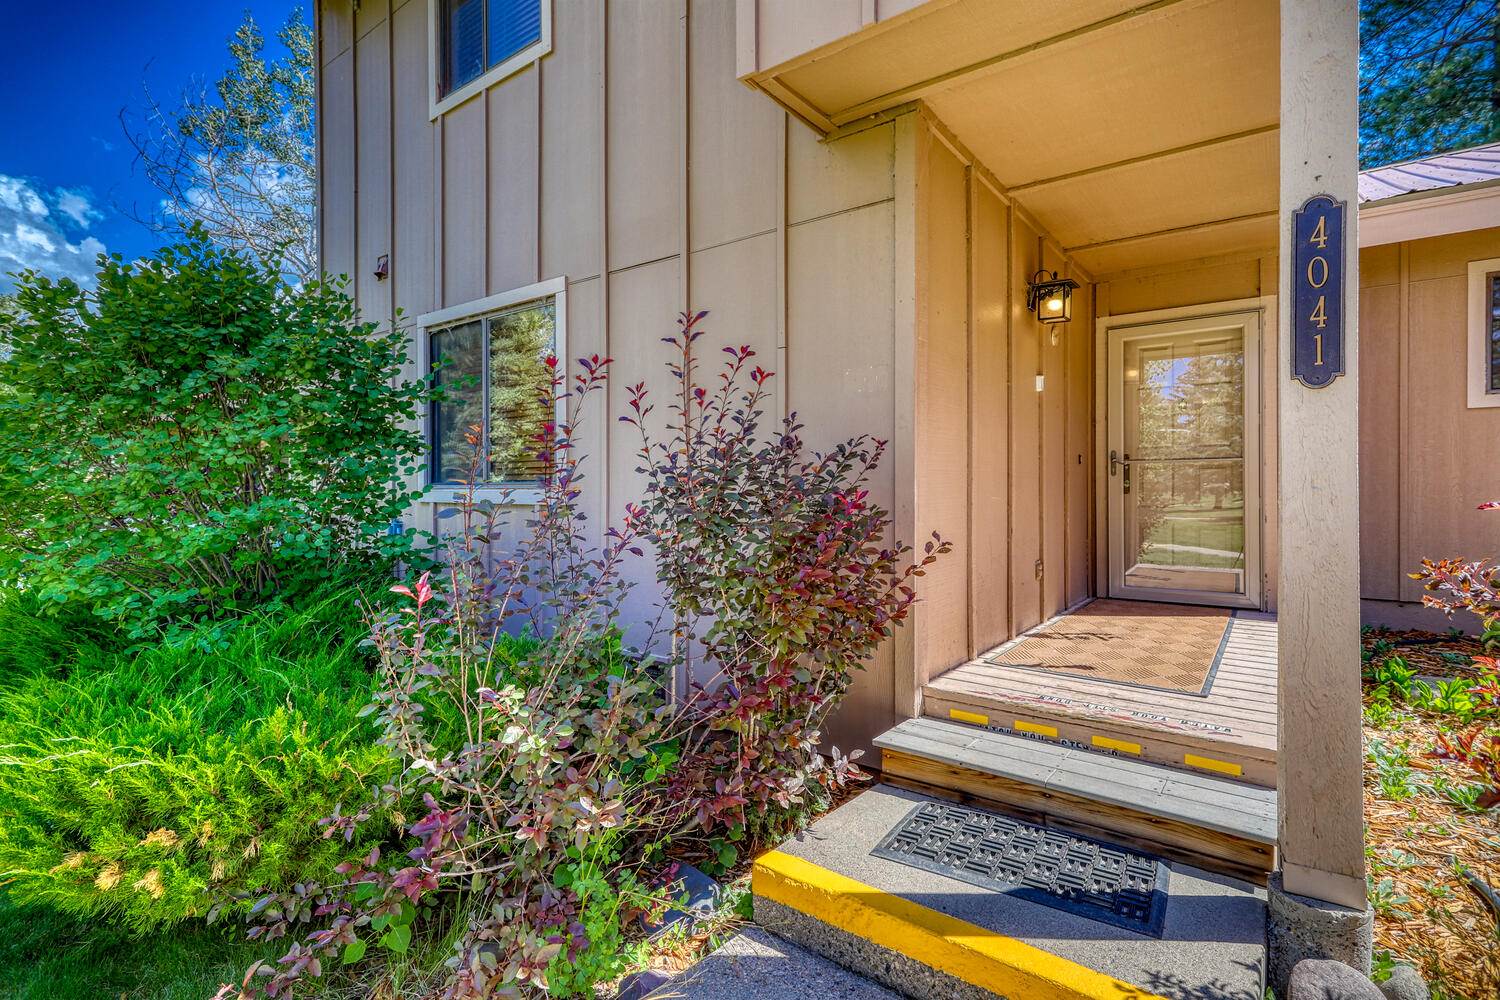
[(1299, 927)]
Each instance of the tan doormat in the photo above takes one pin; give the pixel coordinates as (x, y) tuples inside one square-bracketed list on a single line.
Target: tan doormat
[(1168, 647)]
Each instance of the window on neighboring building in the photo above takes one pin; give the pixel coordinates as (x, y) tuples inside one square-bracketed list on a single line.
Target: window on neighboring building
[(1484, 333), (478, 36), (495, 387), (1492, 354)]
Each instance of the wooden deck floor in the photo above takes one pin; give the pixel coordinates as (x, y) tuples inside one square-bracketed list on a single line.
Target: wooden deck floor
[(1231, 730)]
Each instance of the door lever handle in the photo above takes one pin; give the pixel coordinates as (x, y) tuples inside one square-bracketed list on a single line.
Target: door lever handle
[(1115, 461)]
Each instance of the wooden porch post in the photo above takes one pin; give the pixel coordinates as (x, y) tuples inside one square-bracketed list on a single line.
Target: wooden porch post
[(1318, 769)]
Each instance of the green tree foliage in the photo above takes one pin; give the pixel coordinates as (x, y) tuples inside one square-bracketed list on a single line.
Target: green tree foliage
[(239, 158), (196, 437), (1429, 77)]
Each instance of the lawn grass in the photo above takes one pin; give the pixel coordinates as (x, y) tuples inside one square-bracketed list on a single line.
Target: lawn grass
[(46, 955)]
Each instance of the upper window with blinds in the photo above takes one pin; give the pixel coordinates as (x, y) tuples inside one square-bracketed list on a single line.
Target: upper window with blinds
[(479, 42), (493, 419)]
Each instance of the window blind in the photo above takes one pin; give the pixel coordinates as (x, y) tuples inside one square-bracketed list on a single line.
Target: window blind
[(513, 25)]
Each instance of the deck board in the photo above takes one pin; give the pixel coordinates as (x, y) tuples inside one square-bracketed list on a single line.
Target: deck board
[(1241, 701)]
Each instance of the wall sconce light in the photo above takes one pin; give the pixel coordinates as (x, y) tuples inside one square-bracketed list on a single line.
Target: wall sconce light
[(1050, 297), (383, 267)]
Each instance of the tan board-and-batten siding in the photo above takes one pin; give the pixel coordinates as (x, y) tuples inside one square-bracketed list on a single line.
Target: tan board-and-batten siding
[(880, 274), (1425, 457)]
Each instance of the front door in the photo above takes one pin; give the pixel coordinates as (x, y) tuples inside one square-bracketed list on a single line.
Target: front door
[(1183, 461)]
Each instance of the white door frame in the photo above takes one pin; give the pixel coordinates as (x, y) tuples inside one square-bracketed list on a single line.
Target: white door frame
[(1257, 313)]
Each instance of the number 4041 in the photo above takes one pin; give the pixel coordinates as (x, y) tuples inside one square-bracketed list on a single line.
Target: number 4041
[(1317, 277)]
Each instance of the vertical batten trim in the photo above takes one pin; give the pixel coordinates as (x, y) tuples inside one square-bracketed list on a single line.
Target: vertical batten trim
[(1099, 361), (906, 692), (1403, 412), (782, 385), (604, 275), (537, 193), (390, 139), (684, 224), (439, 292), (488, 196), (971, 206), (1010, 419), (354, 156), (1041, 457), (684, 166)]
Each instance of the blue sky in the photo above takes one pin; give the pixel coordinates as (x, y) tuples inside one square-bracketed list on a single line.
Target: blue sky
[(67, 185)]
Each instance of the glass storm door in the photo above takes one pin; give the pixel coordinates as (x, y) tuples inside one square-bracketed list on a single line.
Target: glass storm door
[(1183, 461)]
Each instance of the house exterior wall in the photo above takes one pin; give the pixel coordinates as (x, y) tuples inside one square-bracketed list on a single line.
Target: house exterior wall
[(1002, 468), (1425, 457), (632, 163), (881, 275)]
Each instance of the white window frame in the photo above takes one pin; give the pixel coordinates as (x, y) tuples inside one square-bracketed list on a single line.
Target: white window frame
[(554, 288), (440, 103), (1480, 395)]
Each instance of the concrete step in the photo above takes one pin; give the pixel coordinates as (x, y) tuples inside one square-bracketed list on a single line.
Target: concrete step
[(1211, 822), (926, 935)]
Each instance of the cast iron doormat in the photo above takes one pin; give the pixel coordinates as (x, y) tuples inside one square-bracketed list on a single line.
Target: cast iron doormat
[(1087, 877)]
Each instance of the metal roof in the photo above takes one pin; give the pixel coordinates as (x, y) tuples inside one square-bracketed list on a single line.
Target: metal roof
[(1445, 170)]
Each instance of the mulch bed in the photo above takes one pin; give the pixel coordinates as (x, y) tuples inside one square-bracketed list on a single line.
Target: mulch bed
[(1419, 843), (1435, 654)]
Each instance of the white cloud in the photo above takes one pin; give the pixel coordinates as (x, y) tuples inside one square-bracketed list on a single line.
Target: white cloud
[(77, 206), (46, 231)]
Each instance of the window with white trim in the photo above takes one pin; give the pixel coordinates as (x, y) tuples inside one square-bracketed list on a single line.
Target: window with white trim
[(1484, 333), (1490, 360), (478, 42), (494, 415)]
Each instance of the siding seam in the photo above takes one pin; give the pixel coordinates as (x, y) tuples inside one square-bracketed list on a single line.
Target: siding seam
[(840, 211)]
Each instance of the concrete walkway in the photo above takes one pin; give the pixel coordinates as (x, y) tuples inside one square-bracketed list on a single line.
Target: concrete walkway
[(756, 965)]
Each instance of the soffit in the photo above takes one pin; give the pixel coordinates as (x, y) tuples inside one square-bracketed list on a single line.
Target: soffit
[(1135, 133), (1188, 75)]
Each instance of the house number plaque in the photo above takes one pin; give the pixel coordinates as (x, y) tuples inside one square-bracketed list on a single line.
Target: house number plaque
[(1318, 291)]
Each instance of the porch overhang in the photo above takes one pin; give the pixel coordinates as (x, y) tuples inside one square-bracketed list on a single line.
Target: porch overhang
[(1136, 134)]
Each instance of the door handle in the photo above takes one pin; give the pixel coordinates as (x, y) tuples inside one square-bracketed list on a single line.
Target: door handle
[(1115, 461)]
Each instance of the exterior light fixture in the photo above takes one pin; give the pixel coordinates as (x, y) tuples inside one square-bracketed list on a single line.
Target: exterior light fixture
[(1050, 297)]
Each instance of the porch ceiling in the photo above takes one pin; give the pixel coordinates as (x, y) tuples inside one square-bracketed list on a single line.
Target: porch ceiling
[(1136, 133)]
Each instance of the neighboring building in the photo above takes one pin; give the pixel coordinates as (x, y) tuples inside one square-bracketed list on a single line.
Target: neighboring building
[(863, 190), (1429, 236)]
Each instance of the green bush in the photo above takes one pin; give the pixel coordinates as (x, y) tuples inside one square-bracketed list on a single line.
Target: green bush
[(143, 787), (197, 437)]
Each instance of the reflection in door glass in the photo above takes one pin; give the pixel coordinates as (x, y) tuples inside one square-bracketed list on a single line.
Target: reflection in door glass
[(1184, 434)]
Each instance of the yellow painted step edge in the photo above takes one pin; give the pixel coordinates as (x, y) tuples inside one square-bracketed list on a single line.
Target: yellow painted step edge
[(1022, 726), (960, 715), (1210, 764), (991, 961), (1109, 743)]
